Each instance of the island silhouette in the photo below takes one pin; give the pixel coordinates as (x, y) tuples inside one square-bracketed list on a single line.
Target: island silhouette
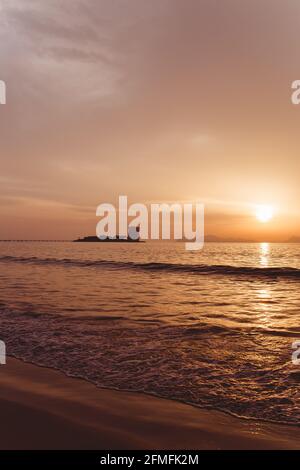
[(133, 236)]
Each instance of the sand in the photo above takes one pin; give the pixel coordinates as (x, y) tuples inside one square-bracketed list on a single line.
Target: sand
[(41, 408)]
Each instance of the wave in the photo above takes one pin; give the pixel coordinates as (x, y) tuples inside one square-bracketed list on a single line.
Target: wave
[(201, 269), (210, 366)]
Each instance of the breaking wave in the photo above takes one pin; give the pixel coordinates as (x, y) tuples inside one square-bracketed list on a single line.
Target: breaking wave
[(201, 269), (240, 371)]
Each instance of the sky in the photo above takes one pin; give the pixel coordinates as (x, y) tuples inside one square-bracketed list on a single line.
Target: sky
[(168, 100)]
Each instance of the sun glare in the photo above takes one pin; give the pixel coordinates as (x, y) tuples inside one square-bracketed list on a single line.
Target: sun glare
[(264, 213)]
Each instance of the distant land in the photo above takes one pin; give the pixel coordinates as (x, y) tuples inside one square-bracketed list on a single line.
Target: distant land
[(294, 240), (215, 239), (94, 239)]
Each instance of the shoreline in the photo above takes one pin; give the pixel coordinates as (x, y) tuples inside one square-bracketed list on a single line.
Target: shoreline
[(43, 408)]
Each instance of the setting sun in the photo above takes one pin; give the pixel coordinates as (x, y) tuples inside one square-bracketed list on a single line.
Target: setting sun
[(264, 213)]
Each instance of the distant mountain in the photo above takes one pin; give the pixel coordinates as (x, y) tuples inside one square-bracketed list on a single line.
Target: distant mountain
[(215, 239), (293, 240)]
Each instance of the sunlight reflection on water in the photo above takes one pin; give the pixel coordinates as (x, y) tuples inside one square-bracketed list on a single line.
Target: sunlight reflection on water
[(264, 254)]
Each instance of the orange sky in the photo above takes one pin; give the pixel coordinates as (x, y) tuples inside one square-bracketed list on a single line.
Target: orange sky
[(168, 100)]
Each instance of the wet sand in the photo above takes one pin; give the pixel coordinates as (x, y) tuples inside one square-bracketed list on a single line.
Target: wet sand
[(43, 409)]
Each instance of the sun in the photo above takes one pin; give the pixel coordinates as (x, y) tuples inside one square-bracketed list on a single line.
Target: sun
[(264, 213)]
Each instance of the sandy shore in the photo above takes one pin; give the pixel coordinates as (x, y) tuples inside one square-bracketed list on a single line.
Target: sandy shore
[(43, 409)]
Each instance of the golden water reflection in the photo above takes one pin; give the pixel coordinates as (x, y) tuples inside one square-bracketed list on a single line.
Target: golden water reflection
[(264, 307), (264, 254)]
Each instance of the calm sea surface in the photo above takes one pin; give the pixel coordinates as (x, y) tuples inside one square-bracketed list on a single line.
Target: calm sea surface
[(213, 328)]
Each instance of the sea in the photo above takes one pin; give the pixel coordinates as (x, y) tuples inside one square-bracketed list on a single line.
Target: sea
[(213, 328)]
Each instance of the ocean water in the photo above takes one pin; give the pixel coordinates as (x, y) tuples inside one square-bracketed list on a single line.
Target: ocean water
[(212, 328)]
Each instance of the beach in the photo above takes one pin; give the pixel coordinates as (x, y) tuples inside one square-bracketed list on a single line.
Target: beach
[(44, 409), (118, 352)]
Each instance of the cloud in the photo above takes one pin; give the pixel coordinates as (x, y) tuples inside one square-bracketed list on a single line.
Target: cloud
[(161, 99)]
